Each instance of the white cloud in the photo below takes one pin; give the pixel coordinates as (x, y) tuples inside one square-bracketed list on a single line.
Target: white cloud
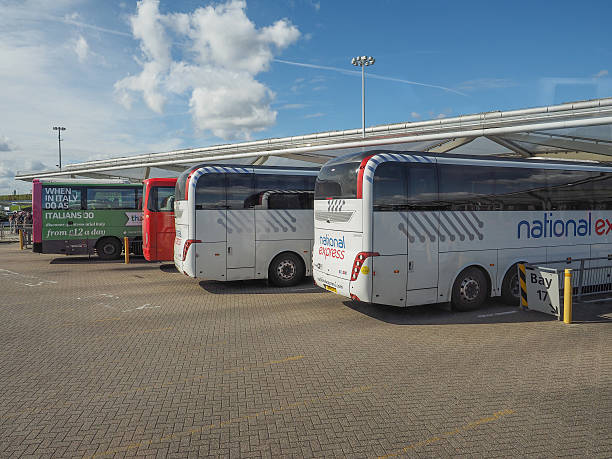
[(601, 73), (415, 115), (81, 48), (6, 144), (314, 115), (222, 52)]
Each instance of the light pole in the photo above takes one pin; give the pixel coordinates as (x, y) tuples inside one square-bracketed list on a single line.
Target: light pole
[(59, 130), (363, 62)]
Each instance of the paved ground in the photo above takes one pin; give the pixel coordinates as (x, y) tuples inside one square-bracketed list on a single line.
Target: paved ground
[(101, 359)]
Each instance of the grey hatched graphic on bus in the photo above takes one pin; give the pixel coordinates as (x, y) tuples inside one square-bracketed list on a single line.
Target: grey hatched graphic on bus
[(277, 220), (428, 225), (233, 221), (335, 205)]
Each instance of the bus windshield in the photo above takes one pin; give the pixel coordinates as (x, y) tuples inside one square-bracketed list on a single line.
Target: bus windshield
[(337, 181)]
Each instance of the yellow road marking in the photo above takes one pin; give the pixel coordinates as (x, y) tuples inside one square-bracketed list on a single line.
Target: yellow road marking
[(469, 426)]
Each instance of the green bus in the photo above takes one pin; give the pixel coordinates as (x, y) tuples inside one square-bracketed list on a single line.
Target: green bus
[(86, 216)]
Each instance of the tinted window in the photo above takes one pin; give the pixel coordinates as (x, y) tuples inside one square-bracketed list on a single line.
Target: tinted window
[(422, 186), (467, 187), (570, 190), (239, 191), (337, 181), (210, 192), (290, 200), (161, 199), (520, 188), (113, 198), (390, 190), (602, 184), (273, 182), (61, 197)]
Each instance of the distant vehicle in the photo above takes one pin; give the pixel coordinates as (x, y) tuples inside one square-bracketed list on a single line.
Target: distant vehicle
[(158, 219), (235, 223), (406, 228), (73, 216)]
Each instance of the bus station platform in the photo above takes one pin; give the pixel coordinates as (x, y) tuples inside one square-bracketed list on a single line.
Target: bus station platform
[(102, 359)]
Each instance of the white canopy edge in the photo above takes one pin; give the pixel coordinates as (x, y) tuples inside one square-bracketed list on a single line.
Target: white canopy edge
[(310, 147)]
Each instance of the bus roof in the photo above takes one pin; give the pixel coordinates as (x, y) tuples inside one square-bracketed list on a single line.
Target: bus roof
[(85, 181), (536, 162)]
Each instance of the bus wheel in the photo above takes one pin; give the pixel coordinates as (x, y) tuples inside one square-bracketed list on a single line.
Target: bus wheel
[(286, 270), (469, 290), (510, 287), (109, 248)]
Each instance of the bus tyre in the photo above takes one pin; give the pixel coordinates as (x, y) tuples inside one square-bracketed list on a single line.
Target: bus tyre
[(109, 248), (510, 287), (469, 290), (286, 269)]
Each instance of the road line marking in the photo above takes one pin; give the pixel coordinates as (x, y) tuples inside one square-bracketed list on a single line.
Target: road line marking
[(497, 314), (594, 301), (12, 275), (465, 427)]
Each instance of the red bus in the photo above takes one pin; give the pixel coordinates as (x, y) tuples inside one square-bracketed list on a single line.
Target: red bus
[(158, 219)]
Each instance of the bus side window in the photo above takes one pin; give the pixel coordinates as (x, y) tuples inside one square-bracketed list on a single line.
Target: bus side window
[(303, 200), (520, 188), (602, 183), (390, 189), (239, 191), (570, 189), (422, 186), (210, 192), (467, 187)]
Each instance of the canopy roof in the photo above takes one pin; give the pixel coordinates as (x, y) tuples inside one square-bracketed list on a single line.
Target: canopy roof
[(576, 130)]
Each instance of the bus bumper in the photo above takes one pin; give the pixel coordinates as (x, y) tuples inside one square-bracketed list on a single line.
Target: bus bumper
[(331, 283)]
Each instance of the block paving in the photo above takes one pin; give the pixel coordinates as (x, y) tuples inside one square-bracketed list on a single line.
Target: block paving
[(102, 359)]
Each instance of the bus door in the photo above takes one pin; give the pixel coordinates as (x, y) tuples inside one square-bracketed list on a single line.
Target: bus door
[(389, 267), (422, 231), (210, 227), (240, 227)]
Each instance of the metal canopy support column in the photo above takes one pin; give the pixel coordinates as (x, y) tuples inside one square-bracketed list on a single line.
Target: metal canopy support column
[(510, 145), (260, 160), (448, 145), (147, 171)]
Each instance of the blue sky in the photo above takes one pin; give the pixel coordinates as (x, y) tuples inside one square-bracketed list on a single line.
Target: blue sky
[(127, 77)]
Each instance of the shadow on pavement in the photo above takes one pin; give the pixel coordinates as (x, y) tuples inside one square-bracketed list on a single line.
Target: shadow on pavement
[(75, 260), (168, 268), (592, 311), (259, 286), (441, 314)]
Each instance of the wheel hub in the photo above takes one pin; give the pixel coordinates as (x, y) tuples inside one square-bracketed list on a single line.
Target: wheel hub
[(469, 289), (286, 269)]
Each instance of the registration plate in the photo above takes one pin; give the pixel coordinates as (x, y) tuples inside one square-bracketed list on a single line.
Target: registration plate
[(330, 288)]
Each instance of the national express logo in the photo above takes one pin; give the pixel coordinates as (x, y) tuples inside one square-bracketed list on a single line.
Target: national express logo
[(551, 227), (332, 247)]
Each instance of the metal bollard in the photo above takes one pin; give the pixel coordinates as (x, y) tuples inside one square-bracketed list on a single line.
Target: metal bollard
[(126, 249), (20, 239), (567, 297)]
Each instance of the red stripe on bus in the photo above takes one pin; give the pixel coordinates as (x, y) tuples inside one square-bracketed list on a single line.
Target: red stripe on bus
[(362, 167), (187, 184)]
